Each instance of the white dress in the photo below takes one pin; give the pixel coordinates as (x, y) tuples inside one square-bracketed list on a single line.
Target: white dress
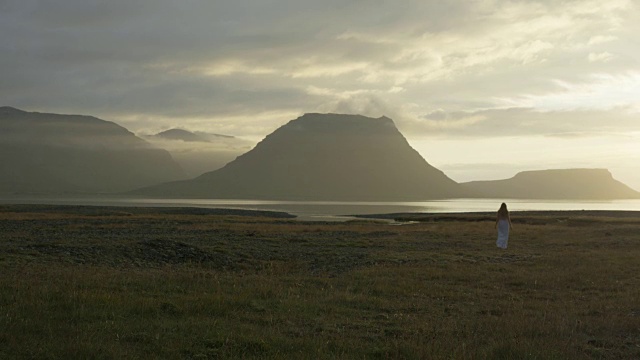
[(503, 233)]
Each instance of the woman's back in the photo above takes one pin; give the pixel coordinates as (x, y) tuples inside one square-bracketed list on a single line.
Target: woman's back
[(503, 224)]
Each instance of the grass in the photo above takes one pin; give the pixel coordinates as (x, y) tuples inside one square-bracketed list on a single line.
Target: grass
[(77, 286)]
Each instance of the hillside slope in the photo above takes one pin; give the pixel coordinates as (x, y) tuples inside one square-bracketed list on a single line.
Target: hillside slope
[(51, 154)]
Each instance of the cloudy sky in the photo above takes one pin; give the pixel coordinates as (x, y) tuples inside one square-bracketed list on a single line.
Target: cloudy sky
[(482, 88)]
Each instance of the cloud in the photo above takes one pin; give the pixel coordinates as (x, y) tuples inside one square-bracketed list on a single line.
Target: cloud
[(597, 91), (247, 66), (600, 39), (603, 56), (514, 122)]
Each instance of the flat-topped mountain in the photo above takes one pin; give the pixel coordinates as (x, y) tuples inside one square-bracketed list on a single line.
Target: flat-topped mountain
[(562, 184), (50, 154), (323, 157)]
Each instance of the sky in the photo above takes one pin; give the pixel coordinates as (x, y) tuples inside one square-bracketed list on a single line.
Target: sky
[(481, 88)]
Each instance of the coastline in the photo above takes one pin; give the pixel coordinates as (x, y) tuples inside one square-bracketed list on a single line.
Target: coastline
[(101, 210), (516, 216)]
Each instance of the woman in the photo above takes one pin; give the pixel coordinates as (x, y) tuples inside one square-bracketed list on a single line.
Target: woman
[(503, 224)]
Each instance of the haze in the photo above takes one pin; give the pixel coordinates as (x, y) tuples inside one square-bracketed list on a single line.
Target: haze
[(482, 89)]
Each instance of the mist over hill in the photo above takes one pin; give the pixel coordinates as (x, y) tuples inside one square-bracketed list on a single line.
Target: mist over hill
[(200, 152), (561, 184), (180, 134), (44, 153), (188, 136), (323, 157)]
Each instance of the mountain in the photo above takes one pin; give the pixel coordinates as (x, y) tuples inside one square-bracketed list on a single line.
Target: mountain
[(50, 154), (323, 157), (563, 184)]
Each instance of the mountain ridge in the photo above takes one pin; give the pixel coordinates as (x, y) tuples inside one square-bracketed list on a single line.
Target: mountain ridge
[(313, 157)]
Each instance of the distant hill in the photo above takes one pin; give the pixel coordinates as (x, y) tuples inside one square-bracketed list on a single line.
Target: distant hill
[(179, 134), (188, 136), (323, 157), (564, 184), (50, 154)]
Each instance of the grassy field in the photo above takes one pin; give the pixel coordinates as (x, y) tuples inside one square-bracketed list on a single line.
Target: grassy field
[(137, 284)]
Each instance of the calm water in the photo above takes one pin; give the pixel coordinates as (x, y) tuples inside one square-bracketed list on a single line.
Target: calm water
[(330, 210)]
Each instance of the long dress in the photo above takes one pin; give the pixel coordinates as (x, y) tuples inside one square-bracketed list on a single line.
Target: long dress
[(503, 233)]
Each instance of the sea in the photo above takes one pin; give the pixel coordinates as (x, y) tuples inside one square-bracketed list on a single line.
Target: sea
[(337, 210)]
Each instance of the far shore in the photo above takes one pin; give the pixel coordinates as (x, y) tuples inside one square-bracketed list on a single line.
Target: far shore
[(343, 210), (484, 215), (517, 216)]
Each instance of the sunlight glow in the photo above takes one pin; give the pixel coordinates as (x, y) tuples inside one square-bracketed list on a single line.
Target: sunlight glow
[(603, 91), (225, 68)]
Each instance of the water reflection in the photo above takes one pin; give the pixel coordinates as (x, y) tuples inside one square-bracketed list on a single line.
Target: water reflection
[(320, 210)]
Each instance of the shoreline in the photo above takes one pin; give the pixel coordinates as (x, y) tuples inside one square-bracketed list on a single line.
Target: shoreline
[(105, 210), (484, 215)]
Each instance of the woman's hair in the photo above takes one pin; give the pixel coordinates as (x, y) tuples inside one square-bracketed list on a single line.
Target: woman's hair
[(503, 212)]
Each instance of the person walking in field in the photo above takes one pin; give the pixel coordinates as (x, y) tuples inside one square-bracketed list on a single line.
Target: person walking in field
[(503, 224)]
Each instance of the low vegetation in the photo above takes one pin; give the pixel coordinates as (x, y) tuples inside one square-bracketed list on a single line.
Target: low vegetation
[(131, 283)]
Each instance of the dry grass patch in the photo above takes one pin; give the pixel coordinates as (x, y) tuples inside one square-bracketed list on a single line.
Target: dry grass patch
[(207, 286)]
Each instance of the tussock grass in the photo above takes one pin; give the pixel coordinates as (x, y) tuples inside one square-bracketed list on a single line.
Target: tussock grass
[(77, 286)]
